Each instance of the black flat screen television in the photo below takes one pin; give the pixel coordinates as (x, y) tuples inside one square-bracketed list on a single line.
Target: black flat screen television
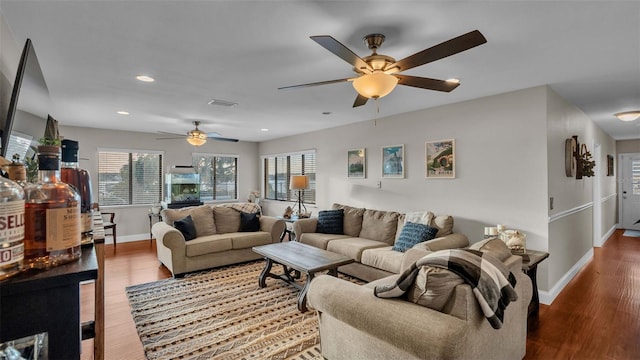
[(28, 108)]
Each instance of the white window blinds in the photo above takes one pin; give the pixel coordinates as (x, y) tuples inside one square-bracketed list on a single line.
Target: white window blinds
[(129, 178)]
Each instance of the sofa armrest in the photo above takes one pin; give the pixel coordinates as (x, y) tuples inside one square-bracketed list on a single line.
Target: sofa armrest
[(273, 226), (397, 322), (302, 226), (168, 236)]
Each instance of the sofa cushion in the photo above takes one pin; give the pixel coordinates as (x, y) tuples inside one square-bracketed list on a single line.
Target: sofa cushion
[(243, 240), (227, 219), (208, 244), (319, 240), (444, 224), (330, 222), (383, 258), (379, 225), (494, 246), (352, 223), (353, 247), (433, 287), (412, 234), (202, 218), (249, 222), (186, 227)]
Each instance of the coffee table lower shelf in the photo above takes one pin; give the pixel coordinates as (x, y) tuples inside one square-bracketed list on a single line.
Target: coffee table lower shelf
[(297, 258)]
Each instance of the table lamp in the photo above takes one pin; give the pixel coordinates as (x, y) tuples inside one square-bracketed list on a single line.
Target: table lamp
[(300, 183)]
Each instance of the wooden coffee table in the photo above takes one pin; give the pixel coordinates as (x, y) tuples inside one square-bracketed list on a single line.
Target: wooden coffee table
[(295, 256)]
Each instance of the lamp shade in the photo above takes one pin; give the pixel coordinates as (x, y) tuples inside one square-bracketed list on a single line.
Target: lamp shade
[(375, 85), (628, 115), (299, 182)]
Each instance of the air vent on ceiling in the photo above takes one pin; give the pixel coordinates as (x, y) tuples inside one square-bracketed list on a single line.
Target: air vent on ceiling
[(224, 103)]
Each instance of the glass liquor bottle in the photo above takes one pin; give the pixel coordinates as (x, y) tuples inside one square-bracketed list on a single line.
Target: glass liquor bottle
[(70, 173), (52, 215), (11, 228)]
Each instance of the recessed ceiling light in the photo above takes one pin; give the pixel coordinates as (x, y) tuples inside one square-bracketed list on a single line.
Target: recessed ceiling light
[(123, 112), (264, 129), (145, 78), (453, 80)]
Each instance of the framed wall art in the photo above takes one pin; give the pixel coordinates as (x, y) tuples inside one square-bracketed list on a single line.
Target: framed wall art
[(356, 164), (609, 165), (393, 161), (440, 157)]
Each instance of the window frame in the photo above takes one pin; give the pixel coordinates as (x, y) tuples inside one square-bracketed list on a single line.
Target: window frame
[(129, 153), (291, 195), (237, 176)]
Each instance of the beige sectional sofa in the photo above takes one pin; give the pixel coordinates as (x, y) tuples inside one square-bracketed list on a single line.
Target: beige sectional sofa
[(219, 240), (369, 236), (355, 324)]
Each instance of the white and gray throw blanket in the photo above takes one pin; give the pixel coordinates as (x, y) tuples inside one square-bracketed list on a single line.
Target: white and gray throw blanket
[(491, 281)]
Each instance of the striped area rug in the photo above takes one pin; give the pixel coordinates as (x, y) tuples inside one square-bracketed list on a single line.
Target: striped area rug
[(223, 314)]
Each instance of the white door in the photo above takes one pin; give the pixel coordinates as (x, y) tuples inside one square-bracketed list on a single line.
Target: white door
[(630, 187)]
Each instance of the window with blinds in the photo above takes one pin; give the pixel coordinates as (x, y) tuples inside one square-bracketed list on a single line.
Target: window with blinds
[(218, 176), (129, 178), (278, 170)]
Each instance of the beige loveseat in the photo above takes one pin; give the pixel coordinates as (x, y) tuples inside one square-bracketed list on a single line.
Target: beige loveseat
[(219, 240), (369, 236), (354, 324)]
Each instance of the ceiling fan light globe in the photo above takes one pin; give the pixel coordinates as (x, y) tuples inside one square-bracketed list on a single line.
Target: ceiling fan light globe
[(376, 85), (628, 115), (196, 140)]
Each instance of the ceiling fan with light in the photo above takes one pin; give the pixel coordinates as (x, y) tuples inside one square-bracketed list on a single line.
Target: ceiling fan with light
[(197, 137), (379, 74)]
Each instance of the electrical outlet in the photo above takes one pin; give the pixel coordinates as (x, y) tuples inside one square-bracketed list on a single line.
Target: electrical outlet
[(379, 184)]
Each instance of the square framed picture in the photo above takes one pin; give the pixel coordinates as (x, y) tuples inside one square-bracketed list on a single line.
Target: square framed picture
[(440, 157), (357, 164), (393, 161)]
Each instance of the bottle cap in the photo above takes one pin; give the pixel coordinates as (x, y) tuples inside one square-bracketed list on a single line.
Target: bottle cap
[(70, 151)]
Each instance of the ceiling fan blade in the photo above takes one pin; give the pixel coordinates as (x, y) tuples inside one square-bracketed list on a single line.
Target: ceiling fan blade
[(426, 83), (213, 134), (343, 52), (442, 50), (171, 138), (222, 139), (314, 84), (168, 133), (360, 100)]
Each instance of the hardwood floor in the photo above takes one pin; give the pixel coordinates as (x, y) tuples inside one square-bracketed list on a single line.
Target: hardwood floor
[(595, 317)]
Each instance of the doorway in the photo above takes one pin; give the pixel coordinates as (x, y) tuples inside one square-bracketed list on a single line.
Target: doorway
[(630, 191)]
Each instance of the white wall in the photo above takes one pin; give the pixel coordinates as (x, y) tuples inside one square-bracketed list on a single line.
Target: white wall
[(500, 172), (133, 222)]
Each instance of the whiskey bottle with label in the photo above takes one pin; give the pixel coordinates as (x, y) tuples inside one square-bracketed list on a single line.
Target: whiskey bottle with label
[(11, 228), (70, 173), (52, 215)]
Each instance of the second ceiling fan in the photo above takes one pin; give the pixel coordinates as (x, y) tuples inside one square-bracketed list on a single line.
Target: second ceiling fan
[(379, 74), (197, 137)]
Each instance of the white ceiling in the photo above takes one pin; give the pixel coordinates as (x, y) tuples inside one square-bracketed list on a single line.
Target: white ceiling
[(242, 51)]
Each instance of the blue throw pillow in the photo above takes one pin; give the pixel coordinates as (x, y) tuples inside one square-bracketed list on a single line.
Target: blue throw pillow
[(186, 227), (412, 234), (249, 222), (330, 222)]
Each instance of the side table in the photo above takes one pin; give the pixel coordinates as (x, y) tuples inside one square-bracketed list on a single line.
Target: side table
[(153, 218), (286, 231), (530, 261)]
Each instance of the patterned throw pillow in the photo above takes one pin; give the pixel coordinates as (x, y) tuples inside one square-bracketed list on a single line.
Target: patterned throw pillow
[(412, 234), (186, 227), (249, 222), (330, 222)]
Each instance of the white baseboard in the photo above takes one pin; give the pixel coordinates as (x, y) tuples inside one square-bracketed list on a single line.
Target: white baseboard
[(547, 297), (126, 238), (607, 235)]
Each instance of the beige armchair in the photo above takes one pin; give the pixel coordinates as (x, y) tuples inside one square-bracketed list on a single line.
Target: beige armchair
[(354, 324)]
